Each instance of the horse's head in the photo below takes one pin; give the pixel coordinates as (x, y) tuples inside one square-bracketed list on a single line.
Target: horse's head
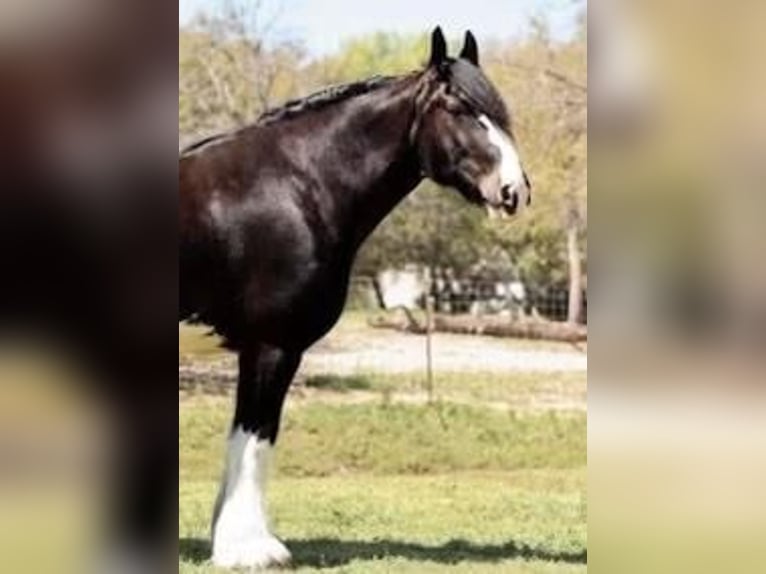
[(463, 131)]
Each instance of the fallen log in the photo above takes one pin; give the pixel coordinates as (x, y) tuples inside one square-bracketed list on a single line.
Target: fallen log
[(489, 326)]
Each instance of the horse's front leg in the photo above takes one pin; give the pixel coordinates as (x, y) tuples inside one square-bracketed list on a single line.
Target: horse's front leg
[(241, 535)]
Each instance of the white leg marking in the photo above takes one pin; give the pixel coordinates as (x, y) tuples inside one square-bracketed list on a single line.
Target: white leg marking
[(241, 535)]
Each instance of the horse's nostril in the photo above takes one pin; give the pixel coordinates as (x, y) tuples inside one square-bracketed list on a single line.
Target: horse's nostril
[(509, 196)]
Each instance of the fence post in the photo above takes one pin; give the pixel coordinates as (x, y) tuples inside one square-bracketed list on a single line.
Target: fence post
[(429, 348)]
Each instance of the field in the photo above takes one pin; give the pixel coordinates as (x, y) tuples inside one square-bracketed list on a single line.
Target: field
[(373, 474)]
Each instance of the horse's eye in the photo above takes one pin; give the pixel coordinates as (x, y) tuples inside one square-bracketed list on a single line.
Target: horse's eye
[(458, 107), (455, 107)]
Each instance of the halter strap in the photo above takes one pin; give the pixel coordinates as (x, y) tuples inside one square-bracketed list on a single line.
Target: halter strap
[(423, 102)]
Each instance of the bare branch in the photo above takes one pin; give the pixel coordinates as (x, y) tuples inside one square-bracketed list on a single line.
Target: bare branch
[(551, 73)]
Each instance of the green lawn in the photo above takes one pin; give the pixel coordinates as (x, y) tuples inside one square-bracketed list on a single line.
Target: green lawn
[(379, 487), (512, 387)]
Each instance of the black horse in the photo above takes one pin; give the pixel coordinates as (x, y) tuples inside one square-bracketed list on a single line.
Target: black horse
[(272, 215)]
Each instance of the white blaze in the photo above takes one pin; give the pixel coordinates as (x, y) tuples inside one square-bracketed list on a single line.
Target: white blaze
[(241, 535), (511, 172)]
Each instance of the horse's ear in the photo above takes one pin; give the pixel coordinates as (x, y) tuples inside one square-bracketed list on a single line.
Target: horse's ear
[(470, 49), (438, 47)]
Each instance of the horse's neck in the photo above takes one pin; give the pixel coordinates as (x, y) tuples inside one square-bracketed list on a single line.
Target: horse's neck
[(383, 167)]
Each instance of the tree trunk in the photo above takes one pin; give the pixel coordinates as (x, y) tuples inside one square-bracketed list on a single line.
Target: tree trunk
[(574, 311)]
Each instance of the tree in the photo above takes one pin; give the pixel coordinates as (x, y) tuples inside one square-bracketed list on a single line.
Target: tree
[(230, 70), (432, 228)]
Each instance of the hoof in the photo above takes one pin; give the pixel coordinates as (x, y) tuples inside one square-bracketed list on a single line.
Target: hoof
[(256, 553)]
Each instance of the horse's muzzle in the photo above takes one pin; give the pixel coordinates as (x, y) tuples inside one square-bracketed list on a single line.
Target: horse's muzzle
[(515, 196), (506, 198)]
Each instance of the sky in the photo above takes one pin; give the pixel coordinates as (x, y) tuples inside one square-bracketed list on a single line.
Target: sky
[(323, 25)]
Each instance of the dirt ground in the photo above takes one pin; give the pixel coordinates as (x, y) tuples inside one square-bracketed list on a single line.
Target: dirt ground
[(355, 348), (389, 351), (350, 351)]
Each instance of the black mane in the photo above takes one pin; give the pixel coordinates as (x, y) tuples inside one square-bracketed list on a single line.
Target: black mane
[(202, 142), (472, 85), (323, 98)]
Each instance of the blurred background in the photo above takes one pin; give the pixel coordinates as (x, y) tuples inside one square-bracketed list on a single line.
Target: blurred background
[(676, 423), (441, 425), (88, 285)]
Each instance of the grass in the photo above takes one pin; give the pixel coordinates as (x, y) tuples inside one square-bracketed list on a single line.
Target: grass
[(461, 522), (325, 439), (513, 387), (380, 487), (344, 384), (197, 341)]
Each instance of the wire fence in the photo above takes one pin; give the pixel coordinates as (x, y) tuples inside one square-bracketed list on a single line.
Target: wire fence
[(503, 299)]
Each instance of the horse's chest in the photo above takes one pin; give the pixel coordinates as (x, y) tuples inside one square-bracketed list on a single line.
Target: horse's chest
[(297, 275), (320, 304)]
